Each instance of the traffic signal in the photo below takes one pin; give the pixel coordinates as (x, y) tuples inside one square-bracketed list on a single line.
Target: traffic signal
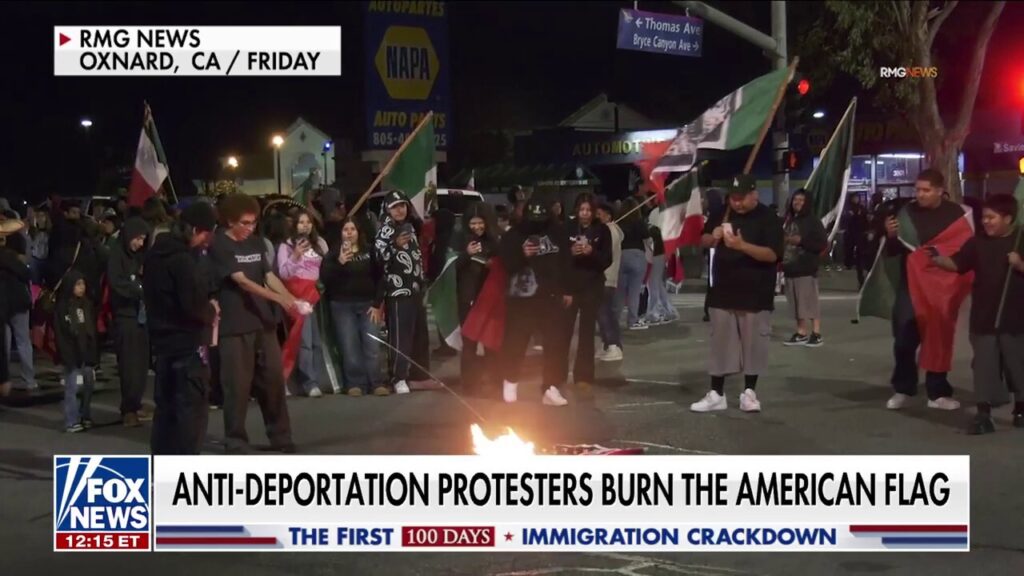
[(791, 161), (797, 105)]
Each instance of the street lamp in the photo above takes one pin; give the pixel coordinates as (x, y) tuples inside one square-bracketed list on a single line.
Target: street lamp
[(278, 141), (819, 114), (327, 148), (86, 123), (232, 162)]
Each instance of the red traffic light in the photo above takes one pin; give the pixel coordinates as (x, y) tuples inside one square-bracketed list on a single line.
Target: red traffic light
[(803, 87)]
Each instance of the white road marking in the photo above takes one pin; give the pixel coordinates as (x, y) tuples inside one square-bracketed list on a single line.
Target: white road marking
[(640, 404), (642, 381), (667, 447)]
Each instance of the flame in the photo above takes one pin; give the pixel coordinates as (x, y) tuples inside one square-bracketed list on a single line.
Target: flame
[(508, 444)]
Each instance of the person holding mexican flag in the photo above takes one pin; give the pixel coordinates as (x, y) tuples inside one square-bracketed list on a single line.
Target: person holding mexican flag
[(921, 299)]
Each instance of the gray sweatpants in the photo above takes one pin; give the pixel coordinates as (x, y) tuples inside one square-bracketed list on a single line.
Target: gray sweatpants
[(739, 342), (996, 356)]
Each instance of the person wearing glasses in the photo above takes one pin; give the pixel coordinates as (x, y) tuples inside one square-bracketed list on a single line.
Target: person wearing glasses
[(250, 355)]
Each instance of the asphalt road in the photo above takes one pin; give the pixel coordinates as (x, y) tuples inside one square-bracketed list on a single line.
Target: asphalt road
[(816, 401)]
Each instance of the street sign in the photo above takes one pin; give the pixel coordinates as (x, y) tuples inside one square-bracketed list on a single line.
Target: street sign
[(660, 33)]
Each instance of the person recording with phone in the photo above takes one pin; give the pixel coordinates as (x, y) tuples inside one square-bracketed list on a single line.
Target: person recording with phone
[(399, 253), (298, 264), (479, 243), (354, 285)]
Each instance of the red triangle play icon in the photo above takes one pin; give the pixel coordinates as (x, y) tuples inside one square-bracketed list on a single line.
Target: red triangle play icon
[(64, 39)]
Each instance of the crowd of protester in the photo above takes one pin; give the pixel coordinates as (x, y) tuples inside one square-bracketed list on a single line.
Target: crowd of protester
[(228, 301)]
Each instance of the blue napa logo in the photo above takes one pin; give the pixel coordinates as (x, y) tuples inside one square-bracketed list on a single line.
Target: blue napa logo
[(101, 493)]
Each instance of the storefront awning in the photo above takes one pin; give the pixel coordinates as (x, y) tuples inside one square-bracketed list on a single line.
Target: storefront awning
[(503, 176)]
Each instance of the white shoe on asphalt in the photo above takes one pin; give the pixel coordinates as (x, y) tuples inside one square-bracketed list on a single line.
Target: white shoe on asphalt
[(552, 397), (612, 354), (944, 403), (401, 387), (639, 325), (510, 392), (315, 393), (711, 402), (897, 401), (749, 401)]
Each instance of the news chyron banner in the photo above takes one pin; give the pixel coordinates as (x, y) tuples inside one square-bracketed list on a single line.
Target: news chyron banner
[(197, 51), (529, 504)]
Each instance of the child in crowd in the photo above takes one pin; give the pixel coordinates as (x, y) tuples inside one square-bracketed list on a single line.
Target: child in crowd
[(998, 341), (75, 329)]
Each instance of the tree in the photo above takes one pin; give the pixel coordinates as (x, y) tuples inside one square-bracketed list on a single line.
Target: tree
[(860, 37)]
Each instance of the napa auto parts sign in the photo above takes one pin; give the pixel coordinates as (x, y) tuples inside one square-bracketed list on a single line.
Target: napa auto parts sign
[(407, 71)]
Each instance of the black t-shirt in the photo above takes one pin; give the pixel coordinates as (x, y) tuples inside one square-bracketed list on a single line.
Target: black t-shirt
[(987, 257), (241, 312), (634, 232), (738, 281)]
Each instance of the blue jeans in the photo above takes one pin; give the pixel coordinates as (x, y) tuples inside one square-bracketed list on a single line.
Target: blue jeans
[(631, 282), (72, 413), (658, 305), (310, 355), (608, 319), (18, 335), (360, 354)]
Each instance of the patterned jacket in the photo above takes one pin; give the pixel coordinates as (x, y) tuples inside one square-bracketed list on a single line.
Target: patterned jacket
[(403, 267)]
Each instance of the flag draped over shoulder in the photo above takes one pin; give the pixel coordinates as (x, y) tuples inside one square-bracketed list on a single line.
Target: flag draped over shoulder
[(936, 295), (830, 179), (415, 171), (444, 303), (150, 164)]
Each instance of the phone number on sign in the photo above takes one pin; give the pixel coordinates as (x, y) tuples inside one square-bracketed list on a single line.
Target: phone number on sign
[(396, 139)]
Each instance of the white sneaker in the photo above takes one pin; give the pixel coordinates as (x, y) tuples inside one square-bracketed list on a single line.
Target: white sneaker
[(552, 397), (897, 401), (639, 325), (711, 402), (749, 401), (510, 392), (401, 387), (944, 403), (315, 393), (612, 354)]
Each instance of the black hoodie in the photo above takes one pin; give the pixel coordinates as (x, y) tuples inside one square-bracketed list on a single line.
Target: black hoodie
[(14, 282), (588, 270), (123, 270), (546, 274), (74, 325), (177, 296), (803, 259)]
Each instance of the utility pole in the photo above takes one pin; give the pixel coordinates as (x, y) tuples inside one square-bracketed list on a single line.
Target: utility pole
[(780, 138), (774, 47)]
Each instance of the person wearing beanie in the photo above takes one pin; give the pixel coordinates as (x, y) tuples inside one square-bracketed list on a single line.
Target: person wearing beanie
[(535, 252), (180, 317), (400, 257), (124, 272)]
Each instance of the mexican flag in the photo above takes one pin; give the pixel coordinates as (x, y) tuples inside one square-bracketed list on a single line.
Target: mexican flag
[(150, 164), (829, 180), (936, 295), (733, 122), (414, 171), (443, 299), (681, 216)]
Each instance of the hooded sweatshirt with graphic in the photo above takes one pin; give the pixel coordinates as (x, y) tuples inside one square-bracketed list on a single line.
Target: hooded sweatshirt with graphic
[(124, 270), (403, 267), (74, 325), (547, 273)]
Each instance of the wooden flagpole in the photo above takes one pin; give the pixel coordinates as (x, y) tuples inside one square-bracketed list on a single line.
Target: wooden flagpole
[(771, 117), (391, 163)]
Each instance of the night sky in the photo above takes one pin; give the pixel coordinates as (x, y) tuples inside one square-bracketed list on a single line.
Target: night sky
[(514, 66)]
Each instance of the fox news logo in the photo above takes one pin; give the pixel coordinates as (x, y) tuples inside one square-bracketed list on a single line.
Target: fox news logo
[(101, 502), (909, 72)]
